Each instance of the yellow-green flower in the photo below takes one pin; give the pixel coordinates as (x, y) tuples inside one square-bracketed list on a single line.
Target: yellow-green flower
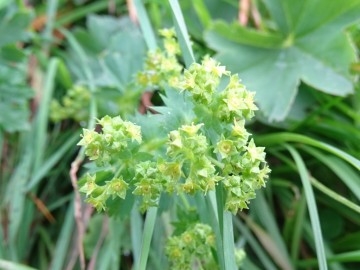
[(117, 187), (225, 148)]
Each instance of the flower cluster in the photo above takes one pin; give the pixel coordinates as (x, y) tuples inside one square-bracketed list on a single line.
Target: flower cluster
[(202, 80), (115, 137), (162, 67), (75, 105), (191, 247), (235, 101), (198, 156), (97, 195), (243, 168), (191, 149)]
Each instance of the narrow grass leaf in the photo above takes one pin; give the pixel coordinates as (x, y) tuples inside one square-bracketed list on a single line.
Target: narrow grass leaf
[(145, 25), (282, 137), (297, 231), (266, 216), (228, 236), (310, 198), (15, 197), (227, 231), (347, 257), (8, 265), (41, 123), (146, 238), (64, 240), (82, 11), (110, 253), (136, 228), (182, 33), (49, 26), (335, 195), (89, 76), (202, 12), (255, 246), (211, 211), (52, 161), (268, 243), (350, 178)]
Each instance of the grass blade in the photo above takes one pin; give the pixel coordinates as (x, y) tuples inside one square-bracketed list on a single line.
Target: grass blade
[(334, 195), (136, 227), (268, 243), (310, 199), (65, 237), (52, 161), (340, 168), (49, 26), (266, 216), (145, 25), (146, 239), (297, 232), (260, 253), (228, 238), (83, 11), (182, 33), (202, 12), (277, 138), (42, 117), (7, 265)]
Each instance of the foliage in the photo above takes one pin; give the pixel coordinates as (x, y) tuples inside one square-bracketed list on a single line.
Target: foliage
[(294, 42), (14, 91), (301, 59)]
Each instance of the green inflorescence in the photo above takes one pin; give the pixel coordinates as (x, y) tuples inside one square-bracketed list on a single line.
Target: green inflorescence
[(215, 148), (193, 249), (162, 66), (74, 105)]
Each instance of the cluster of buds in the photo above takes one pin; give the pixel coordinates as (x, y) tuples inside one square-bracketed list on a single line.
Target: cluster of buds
[(116, 135), (97, 195), (202, 80), (161, 66), (74, 105), (235, 102), (191, 149), (243, 169), (192, 247)]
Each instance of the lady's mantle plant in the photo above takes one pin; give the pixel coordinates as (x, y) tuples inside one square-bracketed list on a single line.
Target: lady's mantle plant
[(208, 148)]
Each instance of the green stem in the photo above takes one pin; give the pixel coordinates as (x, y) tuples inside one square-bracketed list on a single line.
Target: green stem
[(184, 200), (147, 235), (228, 238), (216, 162)]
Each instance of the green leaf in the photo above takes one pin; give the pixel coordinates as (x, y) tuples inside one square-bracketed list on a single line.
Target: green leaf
[(12, 29), (311, 203), (7, 265), (14, 98), (309, 46)]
